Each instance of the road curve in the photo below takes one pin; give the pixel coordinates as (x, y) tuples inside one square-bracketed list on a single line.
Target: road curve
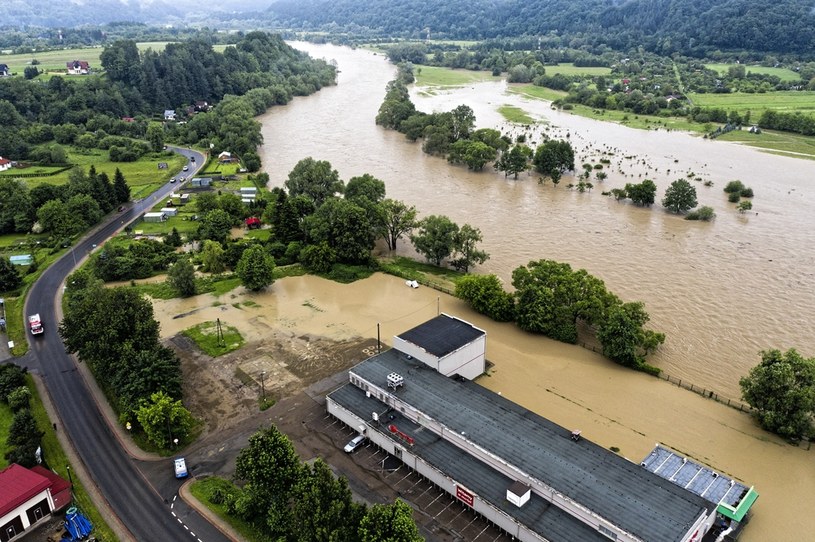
[(139, 499)]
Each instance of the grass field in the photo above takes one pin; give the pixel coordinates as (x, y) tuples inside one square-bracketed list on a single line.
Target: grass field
[(785, 74), (782, 143), (515, 114), (570, 69), (787, 101), (205, 336), (446, 77)]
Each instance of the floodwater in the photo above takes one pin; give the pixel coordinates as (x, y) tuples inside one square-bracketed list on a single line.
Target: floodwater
[(614, 407), (721, 291)]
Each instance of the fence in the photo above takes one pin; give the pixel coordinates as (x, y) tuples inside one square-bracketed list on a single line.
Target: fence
[(62, 167)]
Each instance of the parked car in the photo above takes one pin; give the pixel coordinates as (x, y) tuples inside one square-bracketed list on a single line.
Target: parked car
[(355, 444), (180, 467)]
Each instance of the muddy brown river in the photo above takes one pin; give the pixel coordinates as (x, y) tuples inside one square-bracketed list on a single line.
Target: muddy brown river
[(721, 291)]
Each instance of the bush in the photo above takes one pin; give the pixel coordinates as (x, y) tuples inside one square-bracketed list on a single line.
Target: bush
[(734, 187), (702, 213), (733, 197), (747, 193), (19, 398), (486, 295), (11, 378)]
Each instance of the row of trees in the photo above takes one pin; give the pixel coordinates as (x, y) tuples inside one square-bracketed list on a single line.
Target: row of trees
[(286, 499), (24, 436), (552, 299), (114, 331), (62, 211)]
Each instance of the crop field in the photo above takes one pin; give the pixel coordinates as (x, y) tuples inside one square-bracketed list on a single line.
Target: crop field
[(446, 77), (571, 69), (783, 143), (785, 74), (787, 101)]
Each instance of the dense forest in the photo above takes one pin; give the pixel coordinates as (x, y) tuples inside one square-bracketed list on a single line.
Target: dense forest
[(692, 27)]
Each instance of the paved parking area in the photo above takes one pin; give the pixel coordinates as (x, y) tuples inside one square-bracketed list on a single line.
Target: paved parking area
[(440, 516)]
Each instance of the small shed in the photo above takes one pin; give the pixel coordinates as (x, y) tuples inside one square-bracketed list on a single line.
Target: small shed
[(169, 211), (248, 190), (155, 217), (185, 198), (201, 181), (22, 259)]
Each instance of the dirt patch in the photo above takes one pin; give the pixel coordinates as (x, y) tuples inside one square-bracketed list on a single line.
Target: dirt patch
[(225, 390)]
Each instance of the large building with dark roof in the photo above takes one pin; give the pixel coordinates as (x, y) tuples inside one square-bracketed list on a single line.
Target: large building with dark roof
[(533, 478)]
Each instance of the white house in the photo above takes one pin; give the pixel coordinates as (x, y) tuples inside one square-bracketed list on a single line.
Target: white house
[(5, 164), (78, 67), (155, 217), (169, 211), (169, 114), (27, 497), (448, 344)]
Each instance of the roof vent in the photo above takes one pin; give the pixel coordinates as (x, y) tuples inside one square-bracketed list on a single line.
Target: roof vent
[(395, 380)]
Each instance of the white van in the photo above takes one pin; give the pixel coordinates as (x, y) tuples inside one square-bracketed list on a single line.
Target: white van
[(180, 468)]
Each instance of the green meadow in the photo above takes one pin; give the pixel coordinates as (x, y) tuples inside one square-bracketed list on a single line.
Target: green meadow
[(570, 69), (787, 101), (785, 74), (446, 77)]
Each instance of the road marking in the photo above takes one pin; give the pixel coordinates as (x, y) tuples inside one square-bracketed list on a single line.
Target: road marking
[(173, 513), (179, 520), (186, 527), (192, 533), (175, 497)]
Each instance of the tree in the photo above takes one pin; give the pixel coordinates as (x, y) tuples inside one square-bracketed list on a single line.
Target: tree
[(255, 268), (395, 220), (622, 335), (486, 295), (436, 238), (781, 389), (314, 179), (554, 158), (155, 136), (389, 523), (463, 122), (271, 468), (216, 225), (367, 186), (744, 206), (120, 187), (345, 227), (16, 211), (30, 72), (464, 245), (212, 257), (11, 378), (181, 277), (679, 197), (164, 420), (24, 438), (514, 161), (19, 398), (642, 193), (318, 258), (173, 239), (9, 276), (54, 218)]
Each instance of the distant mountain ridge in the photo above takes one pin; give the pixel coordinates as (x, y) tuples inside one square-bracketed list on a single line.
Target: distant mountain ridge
[(665, 26)]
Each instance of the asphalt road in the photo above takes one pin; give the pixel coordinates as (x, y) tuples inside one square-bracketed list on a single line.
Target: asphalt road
[(142, 498)]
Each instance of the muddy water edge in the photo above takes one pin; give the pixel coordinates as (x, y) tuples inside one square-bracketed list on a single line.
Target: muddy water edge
[(721, 291)]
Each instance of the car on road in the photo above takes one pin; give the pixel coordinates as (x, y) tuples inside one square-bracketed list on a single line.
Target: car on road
[(180, 465), (121, 208), (192, 159), (355, 444), (172, 179), (186, 168)]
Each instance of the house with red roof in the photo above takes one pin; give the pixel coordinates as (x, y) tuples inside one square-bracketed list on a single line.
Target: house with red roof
[(27, 497), (5, 164), (78, 67)]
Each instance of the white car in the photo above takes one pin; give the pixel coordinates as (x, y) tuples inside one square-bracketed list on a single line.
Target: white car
[(355, 443), (186, 168), (172, 180)]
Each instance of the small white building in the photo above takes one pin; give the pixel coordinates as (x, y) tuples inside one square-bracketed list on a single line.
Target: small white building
[(169, 114), (169, 211), (5, 164), (155, 217), (448, 344), (185, 199)]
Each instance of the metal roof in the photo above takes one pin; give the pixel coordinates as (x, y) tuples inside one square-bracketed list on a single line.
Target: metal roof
[(537, 514), (442, 335), (17, 485), (613, 487)]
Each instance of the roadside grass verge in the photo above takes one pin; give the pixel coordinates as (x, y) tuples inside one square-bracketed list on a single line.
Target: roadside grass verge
[(515, 114), (205, 336), (213, 488), (427, 76), (55, 458)]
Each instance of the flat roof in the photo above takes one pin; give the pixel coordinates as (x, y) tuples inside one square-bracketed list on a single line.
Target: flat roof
[(617, 489), (442, 335), (537, 514)]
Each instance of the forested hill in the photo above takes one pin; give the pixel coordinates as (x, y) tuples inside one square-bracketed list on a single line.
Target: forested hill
[(664, 26)]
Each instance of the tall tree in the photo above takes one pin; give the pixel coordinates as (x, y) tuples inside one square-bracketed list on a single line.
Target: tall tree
[(514, 161), (622, 335), (120, 187), (365, 186), (314, 179), (181, 277), (642, 193), (344, 226), (781, 389), (554, 158), (680, 197), (395, 220), (155, 136), (24, 438), (255, 268), (9, 276), (164, 420), (465, 246), (391, 523), (436, 237), (212, 257), (486, 295)]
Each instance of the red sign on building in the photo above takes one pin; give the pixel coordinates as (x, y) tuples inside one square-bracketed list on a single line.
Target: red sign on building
[(464, 496)]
